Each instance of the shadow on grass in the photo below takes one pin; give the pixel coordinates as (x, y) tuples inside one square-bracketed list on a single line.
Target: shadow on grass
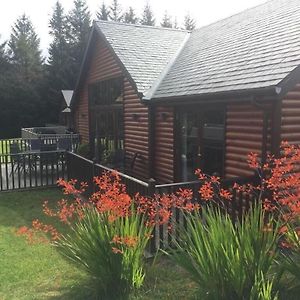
[(81, 290)]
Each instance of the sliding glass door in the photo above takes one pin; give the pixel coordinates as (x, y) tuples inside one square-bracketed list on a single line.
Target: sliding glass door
[(201, 136)]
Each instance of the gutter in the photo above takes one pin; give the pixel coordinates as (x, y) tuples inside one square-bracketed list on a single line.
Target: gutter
[(271, 91)]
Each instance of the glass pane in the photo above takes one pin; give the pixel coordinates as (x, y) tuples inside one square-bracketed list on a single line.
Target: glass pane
[(106, 92), (189, 145)]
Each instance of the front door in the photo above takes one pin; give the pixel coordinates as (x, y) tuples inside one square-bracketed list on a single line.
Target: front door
[(201, 135)]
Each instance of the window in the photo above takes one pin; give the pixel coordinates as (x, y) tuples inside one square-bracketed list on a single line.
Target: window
[(107, 128), (106, 92)]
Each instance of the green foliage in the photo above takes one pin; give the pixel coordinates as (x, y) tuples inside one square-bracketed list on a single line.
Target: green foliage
[(189, 22), (130, 16), (24, 50), (227, 260), (116, 11), (103, 13), (288, 266), (90, 244), (148, 16), (84, 150), (79, 21), (59, 63), (166, 22)]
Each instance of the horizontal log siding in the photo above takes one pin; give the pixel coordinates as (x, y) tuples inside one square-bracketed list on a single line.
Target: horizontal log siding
[(136, 133), (164, 145), (102, 65), (290, 116), (244, 132)]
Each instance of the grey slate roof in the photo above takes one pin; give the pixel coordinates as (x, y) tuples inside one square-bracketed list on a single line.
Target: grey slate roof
[(145, 51), (254, 49)]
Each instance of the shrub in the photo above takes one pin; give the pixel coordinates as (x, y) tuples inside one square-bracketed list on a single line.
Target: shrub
[(111, 252), (84, 150), (227, 260), (108, 233)]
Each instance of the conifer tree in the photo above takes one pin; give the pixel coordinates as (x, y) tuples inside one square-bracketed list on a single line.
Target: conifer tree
[(189, 22), (24, 50), (116, 11), (80, 21), (60, 63), (103, 13), (175, 25), (166, 21), (130, 17), (59, 51), (23, 93), (148, 16)]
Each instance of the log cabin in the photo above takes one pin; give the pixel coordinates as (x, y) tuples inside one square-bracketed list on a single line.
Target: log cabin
[(162, 102)]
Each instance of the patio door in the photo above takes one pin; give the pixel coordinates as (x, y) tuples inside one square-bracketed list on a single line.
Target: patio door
[(201, 135)]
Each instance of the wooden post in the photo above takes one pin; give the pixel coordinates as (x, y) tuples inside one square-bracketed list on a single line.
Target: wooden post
[(151, 187), (155, 240), (93, 175)]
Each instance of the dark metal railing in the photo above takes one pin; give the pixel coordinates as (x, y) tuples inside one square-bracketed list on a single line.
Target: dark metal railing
[(20, 145), (32, 169)]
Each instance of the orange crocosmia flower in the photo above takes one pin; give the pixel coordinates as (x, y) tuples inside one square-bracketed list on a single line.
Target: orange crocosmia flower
[(206, 191), (283, 229), (225, 194), (253, 160), (116, 250)]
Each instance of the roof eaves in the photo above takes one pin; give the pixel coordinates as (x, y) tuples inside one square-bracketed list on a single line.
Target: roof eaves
[(85, 56), (151, 92), (269, 91), (289, 81)]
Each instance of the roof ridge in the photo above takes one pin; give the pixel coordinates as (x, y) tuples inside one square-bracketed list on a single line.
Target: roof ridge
[(140, 25), (150, 92)]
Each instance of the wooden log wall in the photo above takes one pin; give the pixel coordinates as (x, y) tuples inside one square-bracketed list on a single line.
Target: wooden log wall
[(136, 129), (290, 116), (102, 66), (164, 144), (244, 133)]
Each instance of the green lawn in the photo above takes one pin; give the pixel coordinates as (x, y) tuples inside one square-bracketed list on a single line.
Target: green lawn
[(39, 272)]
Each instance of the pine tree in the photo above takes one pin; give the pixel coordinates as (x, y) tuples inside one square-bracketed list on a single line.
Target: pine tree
[(175, 26), (79, 21), (60, 62), (189, 22), (130, 16), (103, 13), (116, 11), (3, 56), (24, 80), (24, 50), (59, 51), (166, 22), (148, 17)]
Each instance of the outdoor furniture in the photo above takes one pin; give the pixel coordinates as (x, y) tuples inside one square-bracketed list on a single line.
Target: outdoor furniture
[(35, 144), (64, 144), (48, 155), (17, 161)]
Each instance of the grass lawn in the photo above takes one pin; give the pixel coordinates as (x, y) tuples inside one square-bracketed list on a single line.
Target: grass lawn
[(38, 271)]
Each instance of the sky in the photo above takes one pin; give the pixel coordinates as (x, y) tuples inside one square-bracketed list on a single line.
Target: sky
[(203, 11)]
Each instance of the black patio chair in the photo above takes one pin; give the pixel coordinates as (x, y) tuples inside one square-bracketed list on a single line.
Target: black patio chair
[(35, 145), (48, 155), (16, 158)]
